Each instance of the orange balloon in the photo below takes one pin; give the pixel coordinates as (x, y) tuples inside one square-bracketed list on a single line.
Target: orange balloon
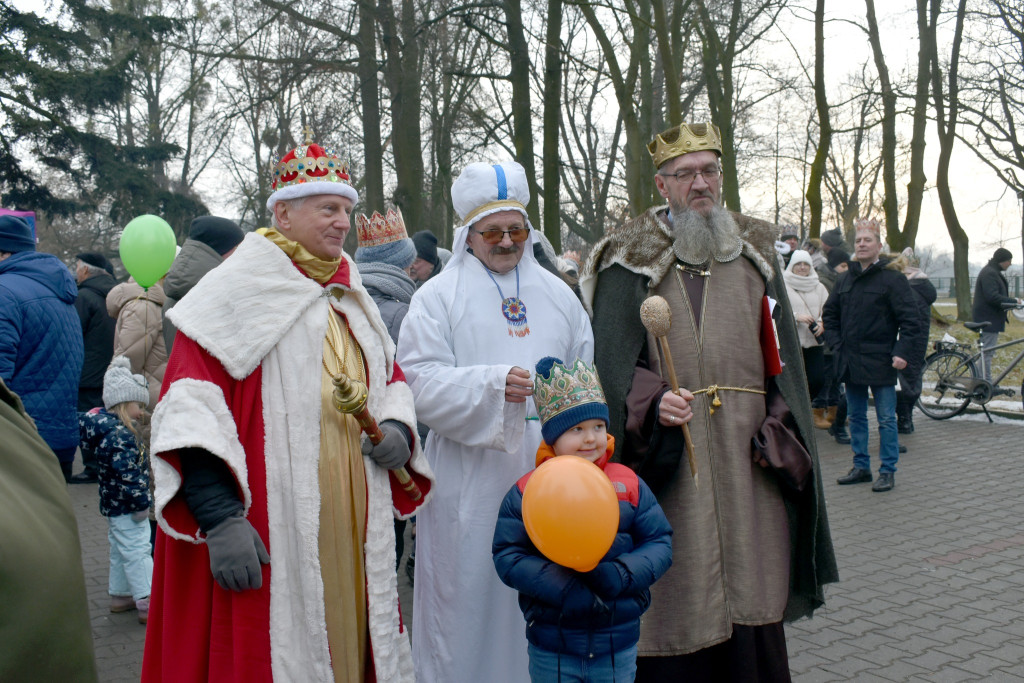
[(571, 511)]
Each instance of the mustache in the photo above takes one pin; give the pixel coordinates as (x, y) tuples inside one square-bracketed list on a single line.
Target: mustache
[(502, 251)]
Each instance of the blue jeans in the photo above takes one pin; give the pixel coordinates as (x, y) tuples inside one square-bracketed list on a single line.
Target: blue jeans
[(131, 566), (885, 411), (547, 666)]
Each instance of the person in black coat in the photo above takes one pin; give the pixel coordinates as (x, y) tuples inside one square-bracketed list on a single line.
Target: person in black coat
[(910, 376), (95, 280), (873, 325), (991, 291)]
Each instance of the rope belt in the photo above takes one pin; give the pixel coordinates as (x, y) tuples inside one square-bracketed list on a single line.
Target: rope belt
[(712, 392)]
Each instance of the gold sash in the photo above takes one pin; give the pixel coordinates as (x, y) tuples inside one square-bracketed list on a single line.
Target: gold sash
[(342, 515)]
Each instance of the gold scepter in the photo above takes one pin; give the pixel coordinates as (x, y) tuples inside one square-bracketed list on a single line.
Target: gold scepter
[(349, 397), (656, 316)]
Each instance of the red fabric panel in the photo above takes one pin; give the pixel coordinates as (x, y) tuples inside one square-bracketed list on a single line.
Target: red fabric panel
[(198, 631)]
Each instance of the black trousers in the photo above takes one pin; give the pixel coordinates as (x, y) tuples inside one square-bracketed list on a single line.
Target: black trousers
[(754, 654)]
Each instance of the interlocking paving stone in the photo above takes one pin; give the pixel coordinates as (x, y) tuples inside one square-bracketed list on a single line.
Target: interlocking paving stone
[(932, 572)]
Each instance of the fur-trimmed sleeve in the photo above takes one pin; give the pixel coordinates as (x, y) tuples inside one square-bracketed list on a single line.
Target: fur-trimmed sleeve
[(193, 412)]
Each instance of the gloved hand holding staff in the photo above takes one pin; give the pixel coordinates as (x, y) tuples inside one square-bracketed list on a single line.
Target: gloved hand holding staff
[(350, 397)]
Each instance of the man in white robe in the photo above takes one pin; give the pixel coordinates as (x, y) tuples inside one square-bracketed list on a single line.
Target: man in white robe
[(466, 340)]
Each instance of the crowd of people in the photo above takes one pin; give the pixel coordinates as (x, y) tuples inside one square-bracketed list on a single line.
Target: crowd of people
[(306, 404)]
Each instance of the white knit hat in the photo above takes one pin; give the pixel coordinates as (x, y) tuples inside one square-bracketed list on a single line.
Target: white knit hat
[(121, 386)]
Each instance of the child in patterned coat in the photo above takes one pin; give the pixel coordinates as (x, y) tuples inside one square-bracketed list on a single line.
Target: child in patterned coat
[(112, 435)]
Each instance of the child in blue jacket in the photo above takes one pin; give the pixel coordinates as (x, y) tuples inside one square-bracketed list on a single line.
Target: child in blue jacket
[(123, 471), (583, 626)]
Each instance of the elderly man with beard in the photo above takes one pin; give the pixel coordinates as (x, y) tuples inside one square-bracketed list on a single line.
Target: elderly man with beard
[(747, 551)]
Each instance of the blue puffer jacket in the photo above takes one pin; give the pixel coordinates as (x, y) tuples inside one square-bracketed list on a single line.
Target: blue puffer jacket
[(41, 342), (123, 469), (598, 612)]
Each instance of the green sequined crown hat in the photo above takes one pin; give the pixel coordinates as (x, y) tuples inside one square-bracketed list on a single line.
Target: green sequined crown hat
[(566, 396)]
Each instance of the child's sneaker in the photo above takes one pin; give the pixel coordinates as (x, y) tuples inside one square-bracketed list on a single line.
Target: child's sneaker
[(121, 603), (143, 605)]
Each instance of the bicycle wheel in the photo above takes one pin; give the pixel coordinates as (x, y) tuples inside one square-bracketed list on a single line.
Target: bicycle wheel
[(938, 399)]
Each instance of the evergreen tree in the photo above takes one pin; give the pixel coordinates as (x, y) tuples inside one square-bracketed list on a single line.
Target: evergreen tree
[(56, 74)]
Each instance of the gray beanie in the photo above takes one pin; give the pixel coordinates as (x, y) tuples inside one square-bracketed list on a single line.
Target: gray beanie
[(121, 386)]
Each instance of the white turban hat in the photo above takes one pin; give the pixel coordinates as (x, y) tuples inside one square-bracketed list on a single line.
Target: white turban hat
[(482, 189)]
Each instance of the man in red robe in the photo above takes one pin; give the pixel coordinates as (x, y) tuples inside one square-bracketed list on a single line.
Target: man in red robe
[(275, 555)]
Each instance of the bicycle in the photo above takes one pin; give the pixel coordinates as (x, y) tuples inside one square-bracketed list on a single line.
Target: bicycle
[(953, 376)]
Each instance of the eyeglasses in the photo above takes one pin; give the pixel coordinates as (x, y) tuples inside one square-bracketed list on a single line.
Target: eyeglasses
[(495, 236), (688, 175)]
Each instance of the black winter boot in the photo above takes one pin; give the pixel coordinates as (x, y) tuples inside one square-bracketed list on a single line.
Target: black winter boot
[(905, 418), (838, 428)]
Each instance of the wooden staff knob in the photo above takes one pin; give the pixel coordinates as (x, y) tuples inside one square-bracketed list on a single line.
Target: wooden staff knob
[(656, 316)]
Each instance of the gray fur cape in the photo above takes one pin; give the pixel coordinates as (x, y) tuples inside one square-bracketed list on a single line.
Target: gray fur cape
[(620, 272)]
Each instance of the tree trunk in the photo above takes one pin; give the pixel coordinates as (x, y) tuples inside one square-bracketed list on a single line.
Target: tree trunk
[(946, 122), (890, 203), (522, 114), (552, 120), (915, 187), (369, 95), (824, 122), (640, 187), (717, 60), (402, 69)]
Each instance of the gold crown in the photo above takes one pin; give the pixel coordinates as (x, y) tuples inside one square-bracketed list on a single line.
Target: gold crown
[(566, 388), (377, 229), (685, 138)]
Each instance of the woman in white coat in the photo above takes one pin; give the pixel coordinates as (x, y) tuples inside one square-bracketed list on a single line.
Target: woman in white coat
[(808, 296)]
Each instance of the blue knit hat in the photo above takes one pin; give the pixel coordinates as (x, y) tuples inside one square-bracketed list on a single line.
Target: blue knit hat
[(566, 396), (15, 235), (383, 239)]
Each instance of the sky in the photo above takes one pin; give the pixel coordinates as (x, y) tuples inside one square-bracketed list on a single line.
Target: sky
[(988, 212)]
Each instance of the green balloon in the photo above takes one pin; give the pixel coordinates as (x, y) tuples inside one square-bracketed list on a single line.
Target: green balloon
[(147, 249)]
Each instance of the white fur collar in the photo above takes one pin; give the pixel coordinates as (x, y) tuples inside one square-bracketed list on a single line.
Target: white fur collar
[(240, 310)]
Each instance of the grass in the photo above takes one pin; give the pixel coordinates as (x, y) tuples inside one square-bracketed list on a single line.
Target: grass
[(1014, 330)]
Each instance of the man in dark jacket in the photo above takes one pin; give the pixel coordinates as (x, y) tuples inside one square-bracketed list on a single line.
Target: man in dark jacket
[(427, 263), (211, 239), (40, 337), (92, 271), (991, 291), (872, 324)]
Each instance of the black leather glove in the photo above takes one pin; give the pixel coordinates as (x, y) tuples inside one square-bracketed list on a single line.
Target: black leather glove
[(393, 452), (236, 552)]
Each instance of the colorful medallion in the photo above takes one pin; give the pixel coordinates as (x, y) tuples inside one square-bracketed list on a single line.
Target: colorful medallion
[(514, 311), (512, 308)]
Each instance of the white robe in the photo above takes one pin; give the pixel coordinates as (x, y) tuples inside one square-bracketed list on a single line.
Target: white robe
[(456, 352)]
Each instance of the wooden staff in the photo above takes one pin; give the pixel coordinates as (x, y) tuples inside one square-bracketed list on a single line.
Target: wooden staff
[(350, 398), (657, 318)]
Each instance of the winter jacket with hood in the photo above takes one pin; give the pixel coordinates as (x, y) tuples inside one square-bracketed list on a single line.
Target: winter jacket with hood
[(195, 260), (866, 312), (97, 328), (41, 342), (598, 612), (139, 333)]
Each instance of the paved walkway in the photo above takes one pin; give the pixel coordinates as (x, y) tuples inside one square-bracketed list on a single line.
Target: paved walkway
[(932, 573)]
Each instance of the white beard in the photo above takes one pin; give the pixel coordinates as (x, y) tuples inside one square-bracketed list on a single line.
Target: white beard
[(698, 239)]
